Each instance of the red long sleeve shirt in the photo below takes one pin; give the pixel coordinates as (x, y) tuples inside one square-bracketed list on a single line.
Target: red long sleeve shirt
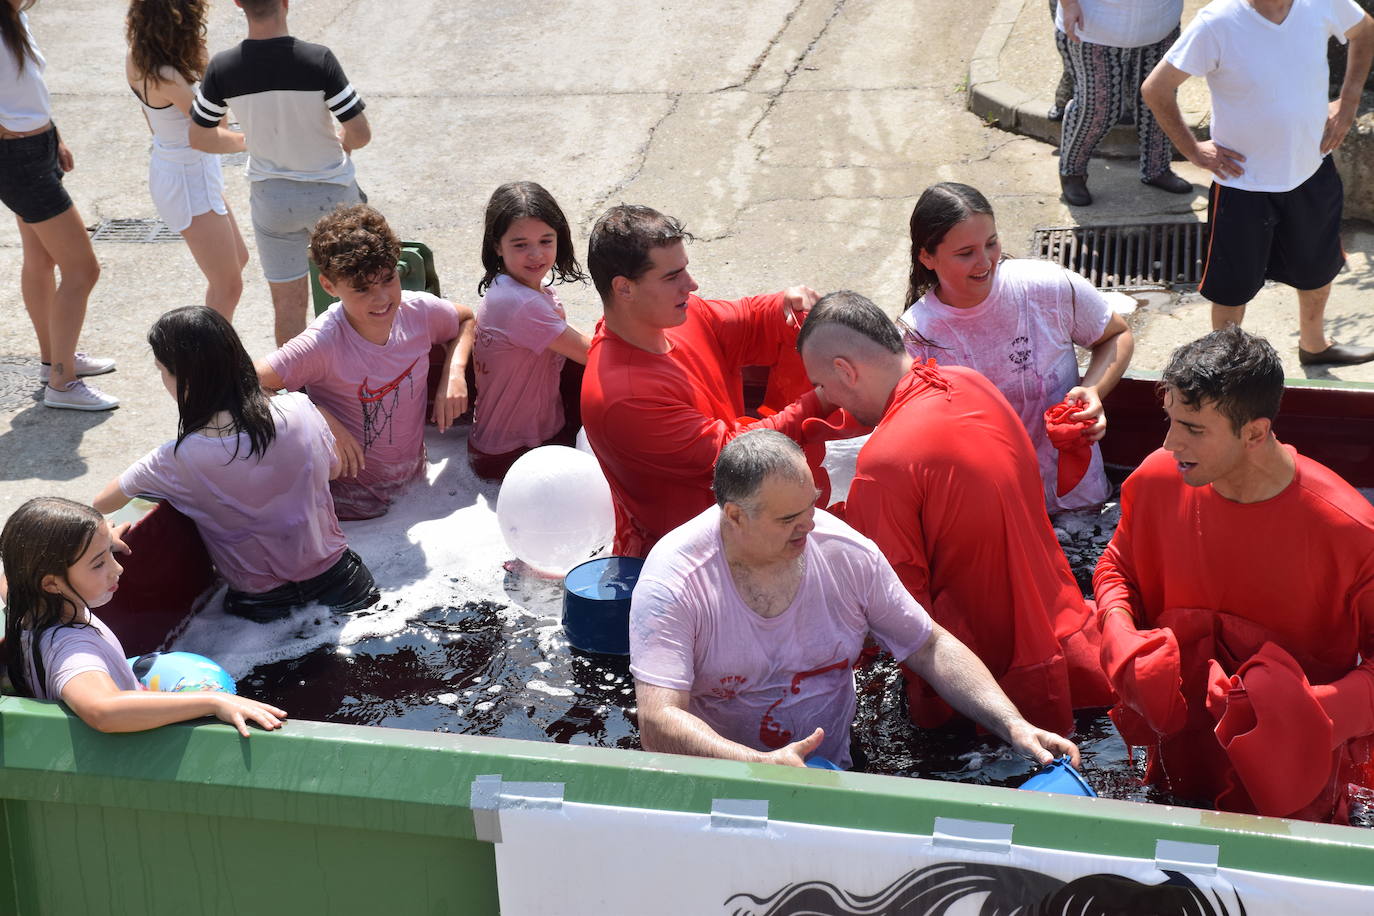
[(949, 488), (658, 421), (1299, 565)]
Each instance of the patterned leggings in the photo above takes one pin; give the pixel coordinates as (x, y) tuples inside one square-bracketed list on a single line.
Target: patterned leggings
[(1103, 78)]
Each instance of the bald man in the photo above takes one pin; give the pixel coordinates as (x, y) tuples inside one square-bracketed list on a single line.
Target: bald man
[(949, 489)]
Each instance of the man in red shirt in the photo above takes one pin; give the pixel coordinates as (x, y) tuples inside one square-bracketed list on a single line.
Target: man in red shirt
[(663, 393), (949, 489), (1237, 599)]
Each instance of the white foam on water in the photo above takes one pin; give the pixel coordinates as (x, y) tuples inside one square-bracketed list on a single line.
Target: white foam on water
[(438, 546)]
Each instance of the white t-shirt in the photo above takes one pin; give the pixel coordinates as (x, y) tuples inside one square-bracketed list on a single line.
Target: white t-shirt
[(24, 102), (1125, 23), (1269, 83), (766, 682), (1021, 338)]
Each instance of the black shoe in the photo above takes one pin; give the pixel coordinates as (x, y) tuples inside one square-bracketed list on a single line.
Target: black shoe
[(1075, 190), (1056, 113), (1168, 181), (1337, 354)]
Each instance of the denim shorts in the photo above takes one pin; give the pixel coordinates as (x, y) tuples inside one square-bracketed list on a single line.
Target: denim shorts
[(284, 212), (31, 179), (345, 586)]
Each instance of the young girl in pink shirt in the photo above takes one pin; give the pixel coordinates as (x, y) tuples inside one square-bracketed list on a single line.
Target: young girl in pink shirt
[(523, 337), (59, 564), (251, 471)]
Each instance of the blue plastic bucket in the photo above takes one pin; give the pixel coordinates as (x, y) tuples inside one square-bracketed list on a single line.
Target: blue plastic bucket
[(596, 604), (1060, 777)]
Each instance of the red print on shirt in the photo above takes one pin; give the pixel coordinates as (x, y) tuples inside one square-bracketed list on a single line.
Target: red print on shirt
[(771, 732), (729, 687), (380, 403)]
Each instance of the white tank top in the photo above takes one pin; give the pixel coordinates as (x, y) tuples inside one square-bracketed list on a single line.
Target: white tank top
[(24, 102)]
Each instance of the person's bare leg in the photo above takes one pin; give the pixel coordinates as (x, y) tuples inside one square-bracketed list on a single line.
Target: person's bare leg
[(1222, 315), (1311, 315), (38, 285), (220, 253), (289, 303), (66, 241)]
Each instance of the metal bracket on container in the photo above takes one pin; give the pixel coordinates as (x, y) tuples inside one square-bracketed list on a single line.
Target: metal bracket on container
[(983, 836), (739, 814), (1193, 858), (489, 795)]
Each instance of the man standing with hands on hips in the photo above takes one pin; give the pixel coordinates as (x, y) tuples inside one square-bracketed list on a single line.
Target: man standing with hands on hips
[(1275, 205)]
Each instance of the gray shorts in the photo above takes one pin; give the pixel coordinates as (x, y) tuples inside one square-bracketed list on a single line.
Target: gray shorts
[(284, 212)]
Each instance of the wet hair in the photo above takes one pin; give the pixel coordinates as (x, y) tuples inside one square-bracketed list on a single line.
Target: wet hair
[(939, 209), (14, 36), (751, 458), (1237, 371), (517, 200), (167, 34), (46, 536), (1001, 889), (354, 244), (621, 240), (260, 9), (214, 372), (856, 312)]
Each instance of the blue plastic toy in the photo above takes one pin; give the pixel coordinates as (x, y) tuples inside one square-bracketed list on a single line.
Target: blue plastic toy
[(817, 762), (1060, 777), (178, 672)]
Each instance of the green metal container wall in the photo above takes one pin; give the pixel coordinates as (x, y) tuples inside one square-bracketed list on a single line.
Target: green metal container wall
[(322, 818)]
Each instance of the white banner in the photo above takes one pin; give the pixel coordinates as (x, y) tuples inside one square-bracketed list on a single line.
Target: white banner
[(566, 858)]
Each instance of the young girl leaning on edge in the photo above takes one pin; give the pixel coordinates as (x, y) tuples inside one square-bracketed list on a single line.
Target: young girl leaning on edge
[(523, 336), (59, 562)]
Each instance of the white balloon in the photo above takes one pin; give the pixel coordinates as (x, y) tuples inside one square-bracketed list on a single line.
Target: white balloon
[(554, 508), (583, 443)]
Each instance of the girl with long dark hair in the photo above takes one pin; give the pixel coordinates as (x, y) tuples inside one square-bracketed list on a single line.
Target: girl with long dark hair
[(251, 471), (166, 59), (59, 559), (33, 159), (1017, 322), (523, 335)]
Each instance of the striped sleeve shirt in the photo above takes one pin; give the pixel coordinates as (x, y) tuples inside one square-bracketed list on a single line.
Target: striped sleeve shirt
[(286, 94)]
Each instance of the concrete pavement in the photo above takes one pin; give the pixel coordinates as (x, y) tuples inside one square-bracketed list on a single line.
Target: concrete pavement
[(792, 136)]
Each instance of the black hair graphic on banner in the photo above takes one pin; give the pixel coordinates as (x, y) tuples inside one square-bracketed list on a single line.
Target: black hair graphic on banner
[(1010, 891)]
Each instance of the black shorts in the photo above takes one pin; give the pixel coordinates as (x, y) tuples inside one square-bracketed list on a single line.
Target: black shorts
[(31, 178), (345, 586), (1293, 237)]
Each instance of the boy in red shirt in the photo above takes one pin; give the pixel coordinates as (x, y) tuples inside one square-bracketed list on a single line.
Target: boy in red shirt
[(1237, 599), (663, 392)]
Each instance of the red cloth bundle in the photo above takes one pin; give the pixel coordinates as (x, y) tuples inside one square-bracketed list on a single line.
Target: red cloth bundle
[(1144, 668), (1066, 435)]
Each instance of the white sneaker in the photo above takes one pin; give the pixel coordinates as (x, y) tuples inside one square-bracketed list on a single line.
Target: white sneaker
[(78, 396), (85, 365)]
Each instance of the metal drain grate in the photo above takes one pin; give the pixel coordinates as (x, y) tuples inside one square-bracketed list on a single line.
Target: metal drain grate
[(1144, 254), (134, 230)]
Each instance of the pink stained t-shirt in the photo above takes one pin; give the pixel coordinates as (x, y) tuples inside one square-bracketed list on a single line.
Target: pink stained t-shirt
[(266, 520), (765, 682), (518, 403), (377, 391), (72, 650)]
